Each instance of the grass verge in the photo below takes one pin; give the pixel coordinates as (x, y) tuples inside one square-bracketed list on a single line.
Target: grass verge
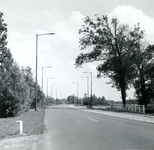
[(33, 123)]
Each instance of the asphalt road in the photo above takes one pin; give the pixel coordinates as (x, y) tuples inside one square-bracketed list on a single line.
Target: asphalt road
[(75, 129)]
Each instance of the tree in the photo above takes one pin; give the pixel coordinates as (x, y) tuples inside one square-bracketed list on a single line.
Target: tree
[(95, 99), (29, 80), (71, 99), (142, 59), (112, 44), (6, 61), (17, 86), (86, 101)]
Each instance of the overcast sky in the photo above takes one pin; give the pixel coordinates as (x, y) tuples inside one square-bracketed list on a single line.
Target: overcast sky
[(25, 19)]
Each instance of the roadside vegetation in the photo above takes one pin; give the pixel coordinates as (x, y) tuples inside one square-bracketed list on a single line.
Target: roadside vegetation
[(123, 54), (17, 85), (33, 123)]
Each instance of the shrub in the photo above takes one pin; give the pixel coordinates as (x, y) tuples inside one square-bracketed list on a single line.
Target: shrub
[(149, 110)]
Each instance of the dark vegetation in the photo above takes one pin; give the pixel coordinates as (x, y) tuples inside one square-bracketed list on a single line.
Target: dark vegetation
[(122, 53), (17, 86)]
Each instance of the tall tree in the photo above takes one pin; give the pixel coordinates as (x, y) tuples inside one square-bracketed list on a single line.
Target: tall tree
[(6, 59), (71, 99), (6, 62), (17, 86), (142, 58), (111, 43), (29, 80)]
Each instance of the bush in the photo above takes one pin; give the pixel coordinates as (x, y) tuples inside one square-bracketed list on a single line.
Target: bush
[(9, 105), (149, 110)]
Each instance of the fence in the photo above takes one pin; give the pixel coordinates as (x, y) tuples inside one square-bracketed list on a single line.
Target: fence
[(136, 108), (130, 108)]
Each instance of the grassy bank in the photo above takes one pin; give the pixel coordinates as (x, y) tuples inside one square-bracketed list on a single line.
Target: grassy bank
[(33, 123)]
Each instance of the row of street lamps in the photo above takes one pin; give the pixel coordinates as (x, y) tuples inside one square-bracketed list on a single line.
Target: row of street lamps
[(47, 84), (42, 74), (77, 90), (89, 104), (91, 88), (37, 35)]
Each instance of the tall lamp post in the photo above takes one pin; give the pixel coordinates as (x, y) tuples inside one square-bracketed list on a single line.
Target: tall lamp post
[(87, 85), (91, 87), (77, 90), (56, 95), (36, 65), (61, 94), (42, 75), (47, 84), (52, 89)]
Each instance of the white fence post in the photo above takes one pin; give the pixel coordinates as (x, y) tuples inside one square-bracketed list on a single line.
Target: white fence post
[(20, 126), (143, 109), (131, 108)]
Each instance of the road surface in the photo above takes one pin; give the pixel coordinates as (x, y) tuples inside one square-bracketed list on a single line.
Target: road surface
[(76, 129)]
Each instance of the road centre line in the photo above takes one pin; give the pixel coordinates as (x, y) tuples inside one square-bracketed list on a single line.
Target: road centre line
[(92, 119)]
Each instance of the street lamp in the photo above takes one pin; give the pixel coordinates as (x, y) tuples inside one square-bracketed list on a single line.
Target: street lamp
[(52, 89), (42, 74), (87, 85), (91, 87), (36, 65), (61, 94), (56, 95), (77, 91), (47, 84)]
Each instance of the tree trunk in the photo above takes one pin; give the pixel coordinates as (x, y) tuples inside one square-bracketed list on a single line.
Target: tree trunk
[(123, 92), (123, 95), (144, 100)]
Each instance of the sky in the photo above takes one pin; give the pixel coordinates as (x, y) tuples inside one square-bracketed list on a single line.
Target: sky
[(25, 19)]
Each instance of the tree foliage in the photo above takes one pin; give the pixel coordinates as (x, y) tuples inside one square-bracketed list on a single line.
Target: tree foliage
[(17, 90), (111, 44), (142, 59), (71, 99)]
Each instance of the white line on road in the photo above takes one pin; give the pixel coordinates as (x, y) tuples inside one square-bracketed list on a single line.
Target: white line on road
[(92, 119)]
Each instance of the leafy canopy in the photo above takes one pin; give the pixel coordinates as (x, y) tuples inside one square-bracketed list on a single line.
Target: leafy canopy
[(112, 45)]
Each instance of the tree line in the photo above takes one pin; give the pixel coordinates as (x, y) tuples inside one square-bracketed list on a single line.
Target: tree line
[(17, 86), (123, 55), (86, 100)]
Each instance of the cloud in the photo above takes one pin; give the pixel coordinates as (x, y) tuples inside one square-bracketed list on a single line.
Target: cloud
[(71, 23), (61, 49), (133, 16)]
